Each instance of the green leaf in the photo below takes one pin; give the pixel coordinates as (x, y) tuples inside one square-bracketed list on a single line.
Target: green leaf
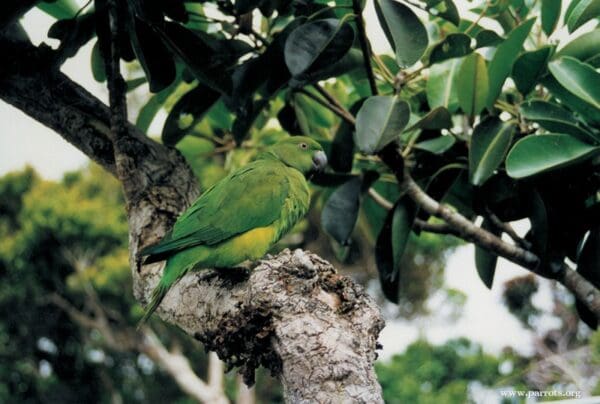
[(590, 113), (538, 216), (489, 144), (555, 118), (442, 85), (584, 11), (150, 109), (473, 83), (437, 118), (208, 57), (438, 145), (73, 33), (97, 64), (453, 46), (550, 14), (321, 71), (380, 121), (487, 37), (340, 211), (570, 7), (530, 67), (187, 112), (405, 32), (485, 261), (391, 244), (536, 154), (502, 62), (579, 78), (445, 9), (60, 9), (342, 148), (135, 83), (155, 59), (318, 42), (585, 47)]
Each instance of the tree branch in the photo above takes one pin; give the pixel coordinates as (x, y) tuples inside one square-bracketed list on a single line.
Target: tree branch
[(126, 338), (289, 305), (468, 231), (293, 314), (179, 368)]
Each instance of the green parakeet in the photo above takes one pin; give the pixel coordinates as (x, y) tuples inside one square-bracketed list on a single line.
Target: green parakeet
[(240, 217)]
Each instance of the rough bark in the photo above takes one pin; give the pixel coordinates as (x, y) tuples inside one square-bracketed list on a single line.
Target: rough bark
[(313, 328), (292, 314)]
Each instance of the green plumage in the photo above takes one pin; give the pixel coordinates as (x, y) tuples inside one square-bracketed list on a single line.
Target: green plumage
[(240, 217)]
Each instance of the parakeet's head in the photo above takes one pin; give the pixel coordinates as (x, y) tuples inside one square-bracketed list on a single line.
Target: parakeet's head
[(300, 152)]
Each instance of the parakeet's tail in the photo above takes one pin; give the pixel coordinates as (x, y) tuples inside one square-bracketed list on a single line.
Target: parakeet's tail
[(169, 279)]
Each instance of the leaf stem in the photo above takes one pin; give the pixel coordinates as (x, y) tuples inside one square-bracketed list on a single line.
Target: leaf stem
[(341, 112), (479, 17)]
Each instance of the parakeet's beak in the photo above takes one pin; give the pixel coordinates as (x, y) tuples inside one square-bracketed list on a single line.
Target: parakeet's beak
[(319, 161)]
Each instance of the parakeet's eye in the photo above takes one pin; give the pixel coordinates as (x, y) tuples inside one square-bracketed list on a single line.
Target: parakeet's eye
[(303, 146)]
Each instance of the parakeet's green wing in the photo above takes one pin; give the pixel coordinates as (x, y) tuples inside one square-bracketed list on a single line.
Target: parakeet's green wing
[(249, 198)]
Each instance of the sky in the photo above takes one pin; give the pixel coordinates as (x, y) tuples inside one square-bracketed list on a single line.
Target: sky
[(484, 319)]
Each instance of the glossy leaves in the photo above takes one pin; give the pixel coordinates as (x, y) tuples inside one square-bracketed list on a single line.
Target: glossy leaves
[(578, 78), (316, 44), (438, 145), (442, 85), (405, 32), (489, 144), (530, 67), (485, 261), (550, 14), (191, 107), (555, 118), (473, 83), (340, 212), (584, 11), (453, 46), (504, 57), (380, 121), (542, 153), (391, 244), (585, 47)]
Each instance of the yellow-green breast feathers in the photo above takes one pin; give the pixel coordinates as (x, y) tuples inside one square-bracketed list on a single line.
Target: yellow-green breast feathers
[(240, 217)]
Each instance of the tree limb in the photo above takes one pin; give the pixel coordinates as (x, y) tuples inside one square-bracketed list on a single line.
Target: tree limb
[(313, 328), (468, 231), (179, 368)]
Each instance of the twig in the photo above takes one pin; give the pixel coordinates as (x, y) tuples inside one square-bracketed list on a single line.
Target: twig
[(329, 97), (437, 228), (479, 17), (467, 229), (380, 199), (116, 84), (342, 113), (364, 45), (507, 228), (389, 76)]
